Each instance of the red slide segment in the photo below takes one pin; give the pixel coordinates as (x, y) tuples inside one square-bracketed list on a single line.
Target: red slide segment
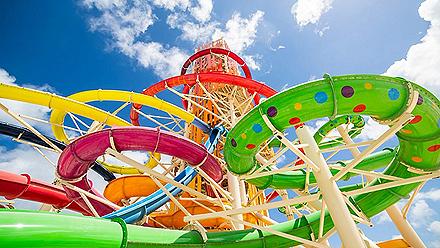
[(191, 79), (230, 54), (14, 186)]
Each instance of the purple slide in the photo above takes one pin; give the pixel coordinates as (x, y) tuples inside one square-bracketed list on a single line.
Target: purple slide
[(78, 156)]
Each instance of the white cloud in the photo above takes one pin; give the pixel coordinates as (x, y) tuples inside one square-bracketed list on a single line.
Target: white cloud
[(432, 195), (202, 12), (24, 159), (5, 77), (434, 227), (240, 32), (321, 31), (422, 61), (27, 109), (172, 4), (309, 11), (372, 130), (421, 213), (127, 24), (253, 61)]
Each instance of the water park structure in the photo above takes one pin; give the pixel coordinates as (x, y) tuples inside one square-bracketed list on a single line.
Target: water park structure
[(237, 165)]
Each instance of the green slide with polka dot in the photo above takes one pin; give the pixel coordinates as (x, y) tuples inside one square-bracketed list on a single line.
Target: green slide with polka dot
[(383, 98)]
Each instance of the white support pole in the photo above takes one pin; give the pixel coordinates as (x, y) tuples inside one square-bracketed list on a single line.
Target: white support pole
[(404, 227), (408, 233), (234, 188), (344, 223)]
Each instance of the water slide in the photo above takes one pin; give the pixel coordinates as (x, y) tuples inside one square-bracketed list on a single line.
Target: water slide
[(60, 107), (24, 134), (13, 186), (417, 153), (194, 78), (75, 161)]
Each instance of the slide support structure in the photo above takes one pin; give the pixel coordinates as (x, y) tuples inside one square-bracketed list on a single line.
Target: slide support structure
[(344, 223), (407, 231)]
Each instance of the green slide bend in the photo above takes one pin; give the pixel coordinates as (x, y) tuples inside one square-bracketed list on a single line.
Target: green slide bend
[(383, 98)]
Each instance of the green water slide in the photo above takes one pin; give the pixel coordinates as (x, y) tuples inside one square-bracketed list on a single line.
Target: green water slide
[(383, 98)]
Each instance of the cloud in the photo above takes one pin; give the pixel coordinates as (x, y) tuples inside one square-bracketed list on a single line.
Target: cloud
[(24, 159), (432, 195), (422, 61), (321, 31), (239, 32), (421, 213), (27, 109), (202, 12), (5, 77), (434, 227), (372, 129), (309, 11), (172, 4), (127, 24)]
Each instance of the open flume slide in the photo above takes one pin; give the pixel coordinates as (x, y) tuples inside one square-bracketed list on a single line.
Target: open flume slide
[(24, 134), (76, 158), (417, 154), (13, 186)]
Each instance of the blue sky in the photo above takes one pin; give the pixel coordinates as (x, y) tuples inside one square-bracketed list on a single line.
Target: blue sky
[(73, 46)]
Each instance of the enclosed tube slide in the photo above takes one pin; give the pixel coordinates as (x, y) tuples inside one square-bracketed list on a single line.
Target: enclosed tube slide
[(212, 77), (28, 136), (419, 149)]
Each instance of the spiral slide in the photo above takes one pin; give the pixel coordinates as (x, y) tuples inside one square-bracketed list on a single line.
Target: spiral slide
[(75, 159), (418, 153), (26, 135)]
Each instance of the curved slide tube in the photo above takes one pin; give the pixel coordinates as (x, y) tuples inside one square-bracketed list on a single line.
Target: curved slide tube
[(13, 186), (76, 158), (355, 94), (64, 104), (358, 124), (142, 185), (28, 136), (135, 212), (216, 50), (57, 116), (191, 79), (418, 139)]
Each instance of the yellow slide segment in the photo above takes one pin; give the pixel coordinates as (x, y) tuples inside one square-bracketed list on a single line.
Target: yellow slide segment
[(58, 115), (60, 103), (128, 170), (75, 104)]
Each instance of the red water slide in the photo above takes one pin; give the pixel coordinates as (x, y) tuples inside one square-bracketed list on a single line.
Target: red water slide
[(13, 186)]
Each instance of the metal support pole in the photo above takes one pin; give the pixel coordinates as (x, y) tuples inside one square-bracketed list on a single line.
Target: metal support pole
[(234, 188), (345, 225), (408, 233), (404, 227)]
